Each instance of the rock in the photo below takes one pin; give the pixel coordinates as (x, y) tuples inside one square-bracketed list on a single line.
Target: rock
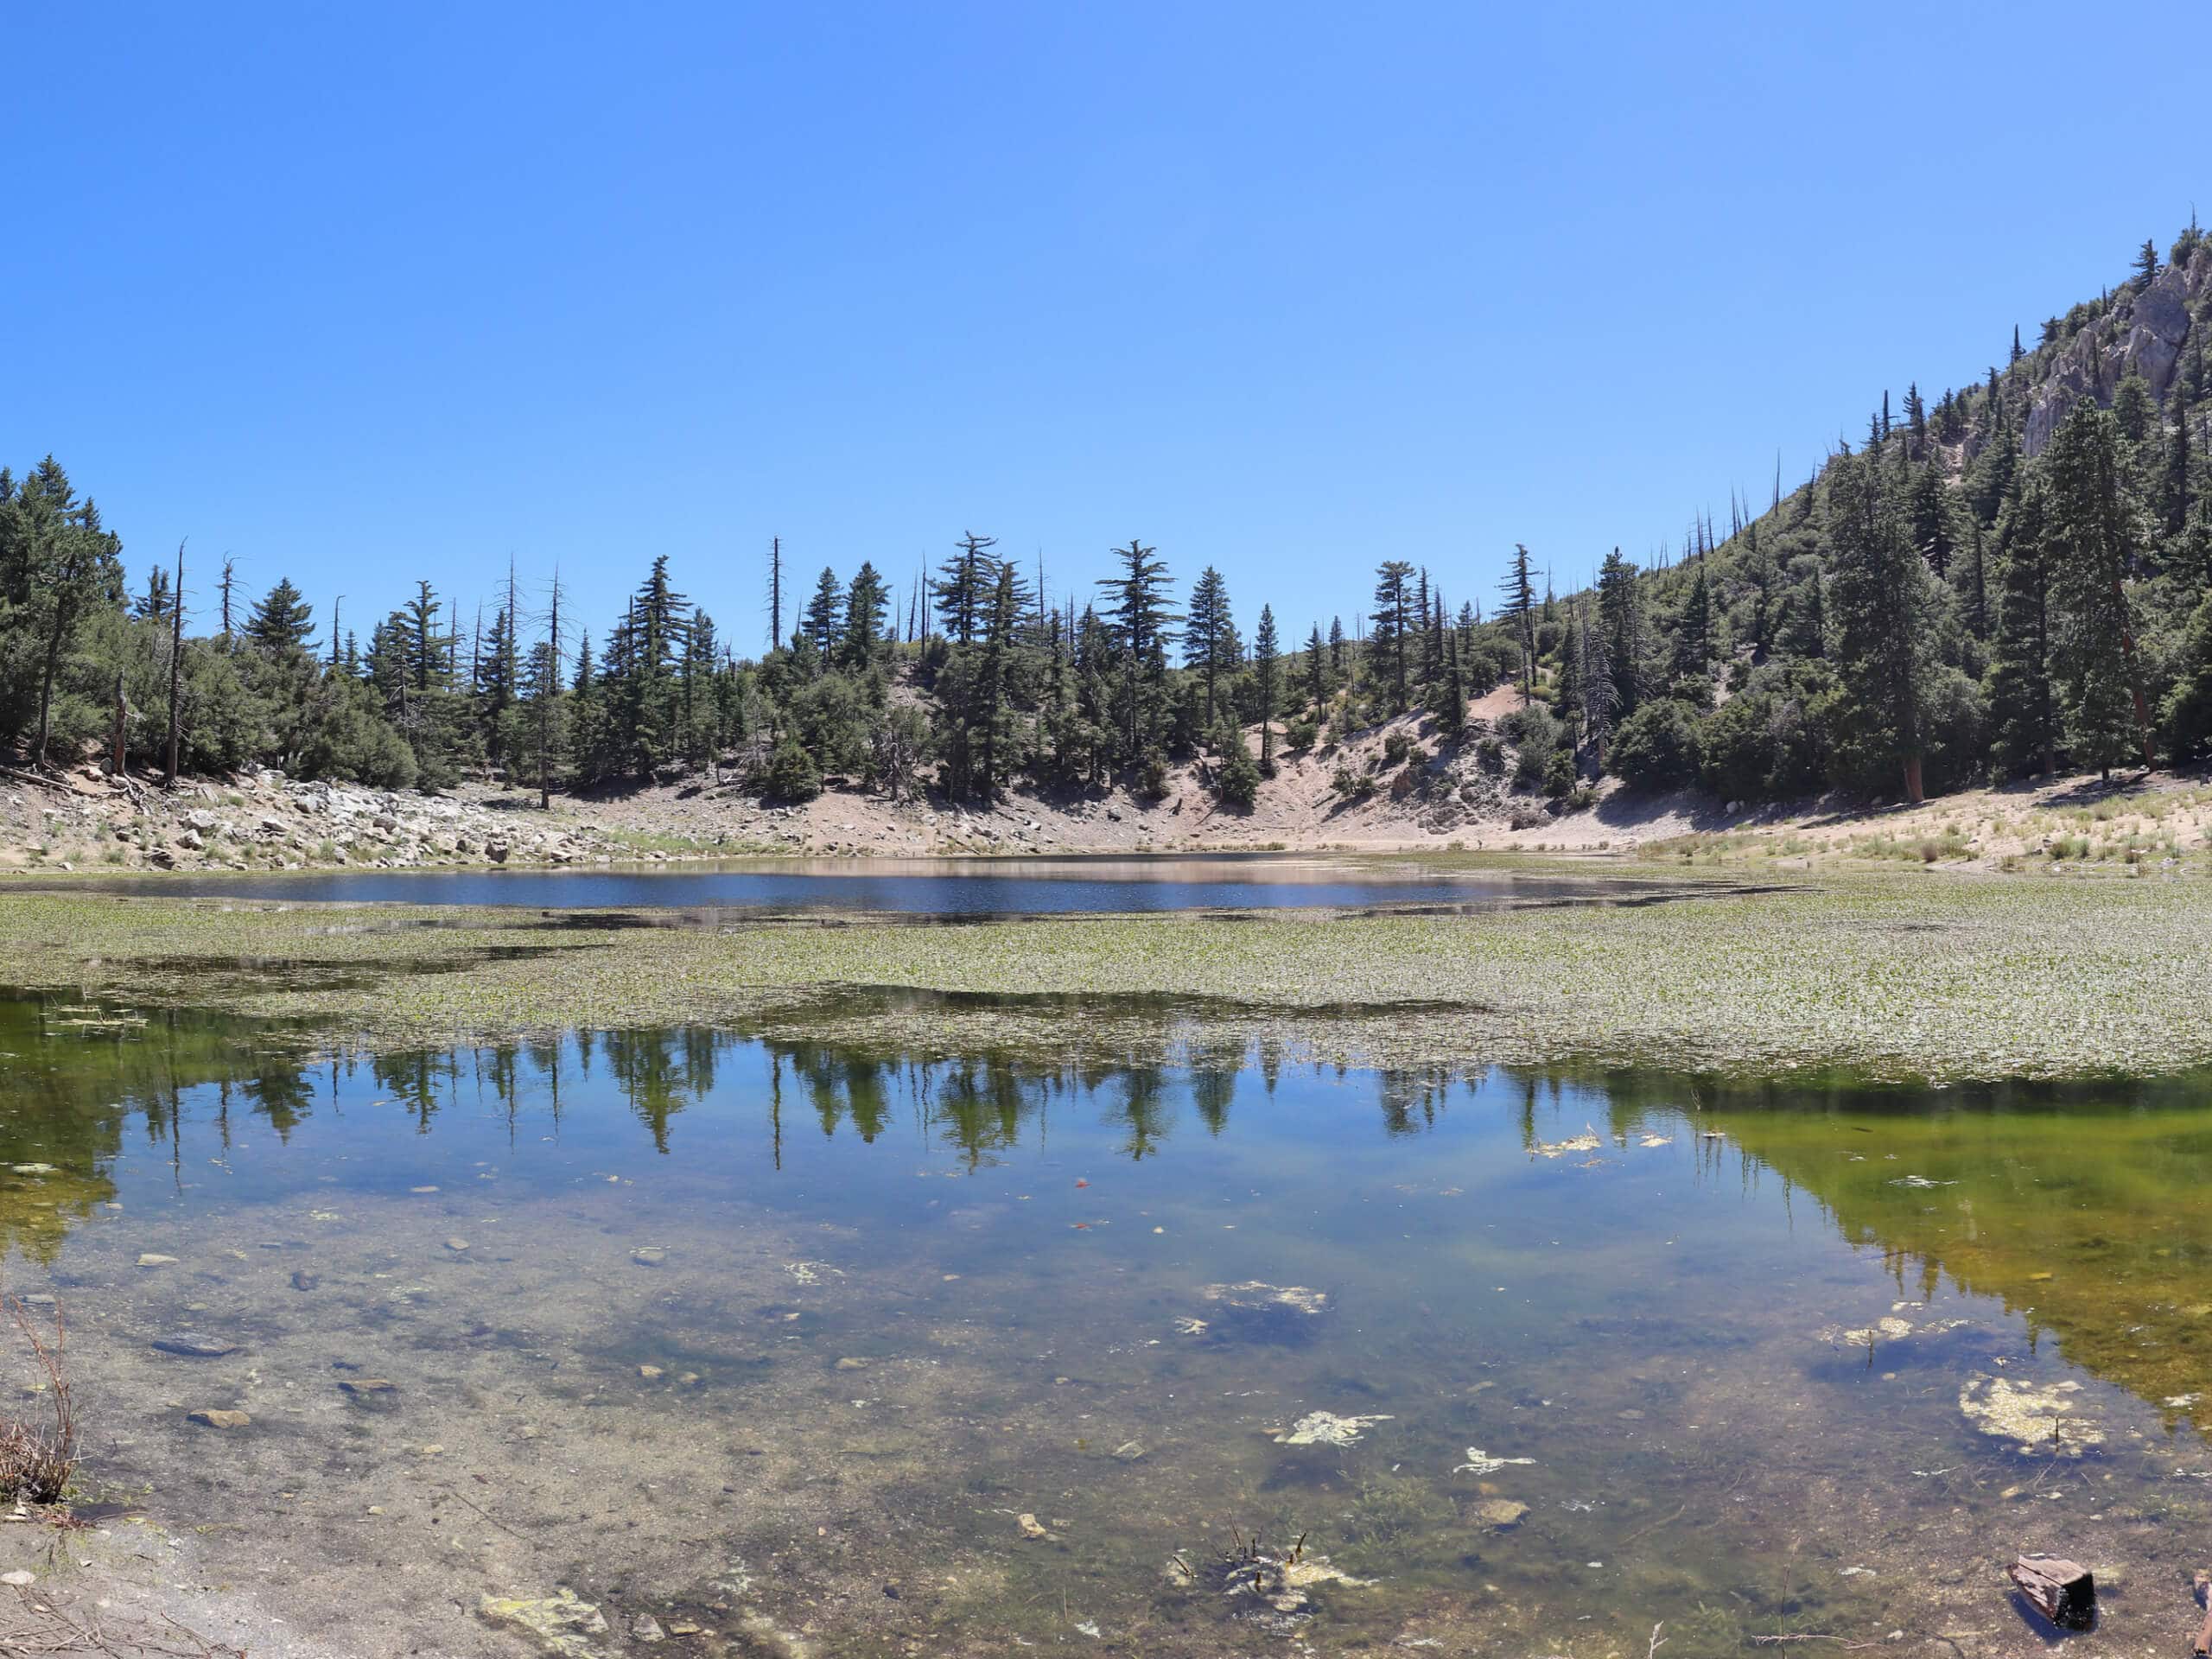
[(559, 1623), (219, 1419), (19, 1578), (153, 1259), (305, 1281), (1032, 1528), (1500, 1512), (496, 851), (851, 1365), (649, 1372), (190, 840), (456, 1245), (645, 1628), (651, 1255), (1130, 1451), (360, 1385), (187, 1345), (202, 820)]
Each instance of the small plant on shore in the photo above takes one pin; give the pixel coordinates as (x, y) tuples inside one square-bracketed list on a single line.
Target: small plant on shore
[(35, 1462)]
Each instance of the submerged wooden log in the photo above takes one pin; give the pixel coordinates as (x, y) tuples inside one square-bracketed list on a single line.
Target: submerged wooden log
[(2063, 1591)]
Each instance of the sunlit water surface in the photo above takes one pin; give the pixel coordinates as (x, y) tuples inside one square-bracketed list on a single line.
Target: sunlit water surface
[(719, 1330)]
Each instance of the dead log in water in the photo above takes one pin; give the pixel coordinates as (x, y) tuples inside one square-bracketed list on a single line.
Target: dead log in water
[(2063, 1591)]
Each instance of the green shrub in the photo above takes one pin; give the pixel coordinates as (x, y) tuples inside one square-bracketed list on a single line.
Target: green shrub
[(1657, 746)]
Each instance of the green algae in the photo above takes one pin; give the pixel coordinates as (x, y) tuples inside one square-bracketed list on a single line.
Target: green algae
[(1908, 976)]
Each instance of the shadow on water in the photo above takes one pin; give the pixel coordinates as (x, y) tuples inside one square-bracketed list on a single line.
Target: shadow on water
[(667, 1293)]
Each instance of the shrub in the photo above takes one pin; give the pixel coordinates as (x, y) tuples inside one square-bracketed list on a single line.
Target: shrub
[(1658, 745), (1301, 735), (792, 775), (1238, 781), (1395, 748)]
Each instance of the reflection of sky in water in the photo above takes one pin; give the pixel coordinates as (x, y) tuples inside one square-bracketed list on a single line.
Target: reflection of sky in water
[(940, 886)]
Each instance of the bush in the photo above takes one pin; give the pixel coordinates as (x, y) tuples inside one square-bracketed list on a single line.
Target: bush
[(1301, 735), (792, 775), (1238, 781), (1352, 785), (1559, 774), (1395, 748), (1658, 745)]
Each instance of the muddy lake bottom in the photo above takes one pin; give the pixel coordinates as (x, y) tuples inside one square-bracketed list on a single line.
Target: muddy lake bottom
[(766, 1347)]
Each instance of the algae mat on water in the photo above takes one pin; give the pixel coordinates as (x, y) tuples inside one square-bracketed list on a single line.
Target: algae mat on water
[(1923, 974)]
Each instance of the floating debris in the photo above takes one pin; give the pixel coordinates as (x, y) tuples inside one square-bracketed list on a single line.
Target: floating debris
[(1588, 1140), (2048, 1421), (1327, 1428), (1650, 1141), (1187, 1326), (1919, 1181), (1480, 1462)]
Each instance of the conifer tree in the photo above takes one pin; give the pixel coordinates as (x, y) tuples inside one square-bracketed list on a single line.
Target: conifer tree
[(1265, 668), (2094, 534), (1885, 602), (1392, 618), (2024, 712)]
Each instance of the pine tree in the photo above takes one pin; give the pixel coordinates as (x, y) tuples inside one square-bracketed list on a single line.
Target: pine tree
[(1142, 627), (2024, 712), (2146, 264), (1210, 643), (282, 623), (1392, 617), (1884, 602), (1621, 621), (1693, 642), (964, 585), (1316, 671), (867, 603), (823, 619), (2094, 536), (1519, 611), (1264, 667)]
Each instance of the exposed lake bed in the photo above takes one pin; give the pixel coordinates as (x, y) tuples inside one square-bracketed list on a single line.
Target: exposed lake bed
[(936, 1311)]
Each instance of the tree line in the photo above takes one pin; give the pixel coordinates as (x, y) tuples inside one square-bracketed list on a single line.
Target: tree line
[(1932, 607)]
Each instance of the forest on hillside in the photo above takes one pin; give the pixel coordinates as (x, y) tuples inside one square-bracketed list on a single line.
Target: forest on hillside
[(2009, 579)]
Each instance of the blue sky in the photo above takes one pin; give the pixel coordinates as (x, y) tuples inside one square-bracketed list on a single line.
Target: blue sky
[(358, 294)]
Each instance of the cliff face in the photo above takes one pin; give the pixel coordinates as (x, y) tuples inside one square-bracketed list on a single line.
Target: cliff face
[(2144, 333)]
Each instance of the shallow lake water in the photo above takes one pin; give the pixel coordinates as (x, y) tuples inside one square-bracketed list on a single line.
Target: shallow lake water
[(948, 887), (793, 1347)]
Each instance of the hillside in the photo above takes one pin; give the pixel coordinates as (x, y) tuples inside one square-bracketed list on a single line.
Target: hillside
[(2004, 581)]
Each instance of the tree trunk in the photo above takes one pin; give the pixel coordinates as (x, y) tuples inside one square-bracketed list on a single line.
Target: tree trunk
[(46, 690), (122, 715), (1913, 791)]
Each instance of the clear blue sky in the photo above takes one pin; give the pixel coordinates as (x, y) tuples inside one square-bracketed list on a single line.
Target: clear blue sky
[(360, 293)]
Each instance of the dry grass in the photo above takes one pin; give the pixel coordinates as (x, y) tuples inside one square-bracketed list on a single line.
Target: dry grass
[(35, 1462)]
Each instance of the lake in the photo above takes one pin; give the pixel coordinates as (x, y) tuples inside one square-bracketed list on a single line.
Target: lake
[(972, 886), (829, 1351)]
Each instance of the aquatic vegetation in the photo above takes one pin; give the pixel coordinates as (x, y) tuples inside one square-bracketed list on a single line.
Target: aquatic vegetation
[(1328, 1429), (1889, 975), (2049, 1421)]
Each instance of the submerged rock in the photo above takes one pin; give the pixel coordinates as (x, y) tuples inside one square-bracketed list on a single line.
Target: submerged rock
[(219, 1419), (155, 1259), (187, 1345), (358, 1385), (558, 1624), (1501, 1513), (1256, 1297)]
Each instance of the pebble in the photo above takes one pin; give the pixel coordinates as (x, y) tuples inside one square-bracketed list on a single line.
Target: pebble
[(650, 1257), (850, 1365), (1130, 1451), (18, 1578), (219, 1419), (305, 1281), (152, 1259), (649, 1372), (645, 1628), (369, 1385), (189, 1346), (456, 1244)]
